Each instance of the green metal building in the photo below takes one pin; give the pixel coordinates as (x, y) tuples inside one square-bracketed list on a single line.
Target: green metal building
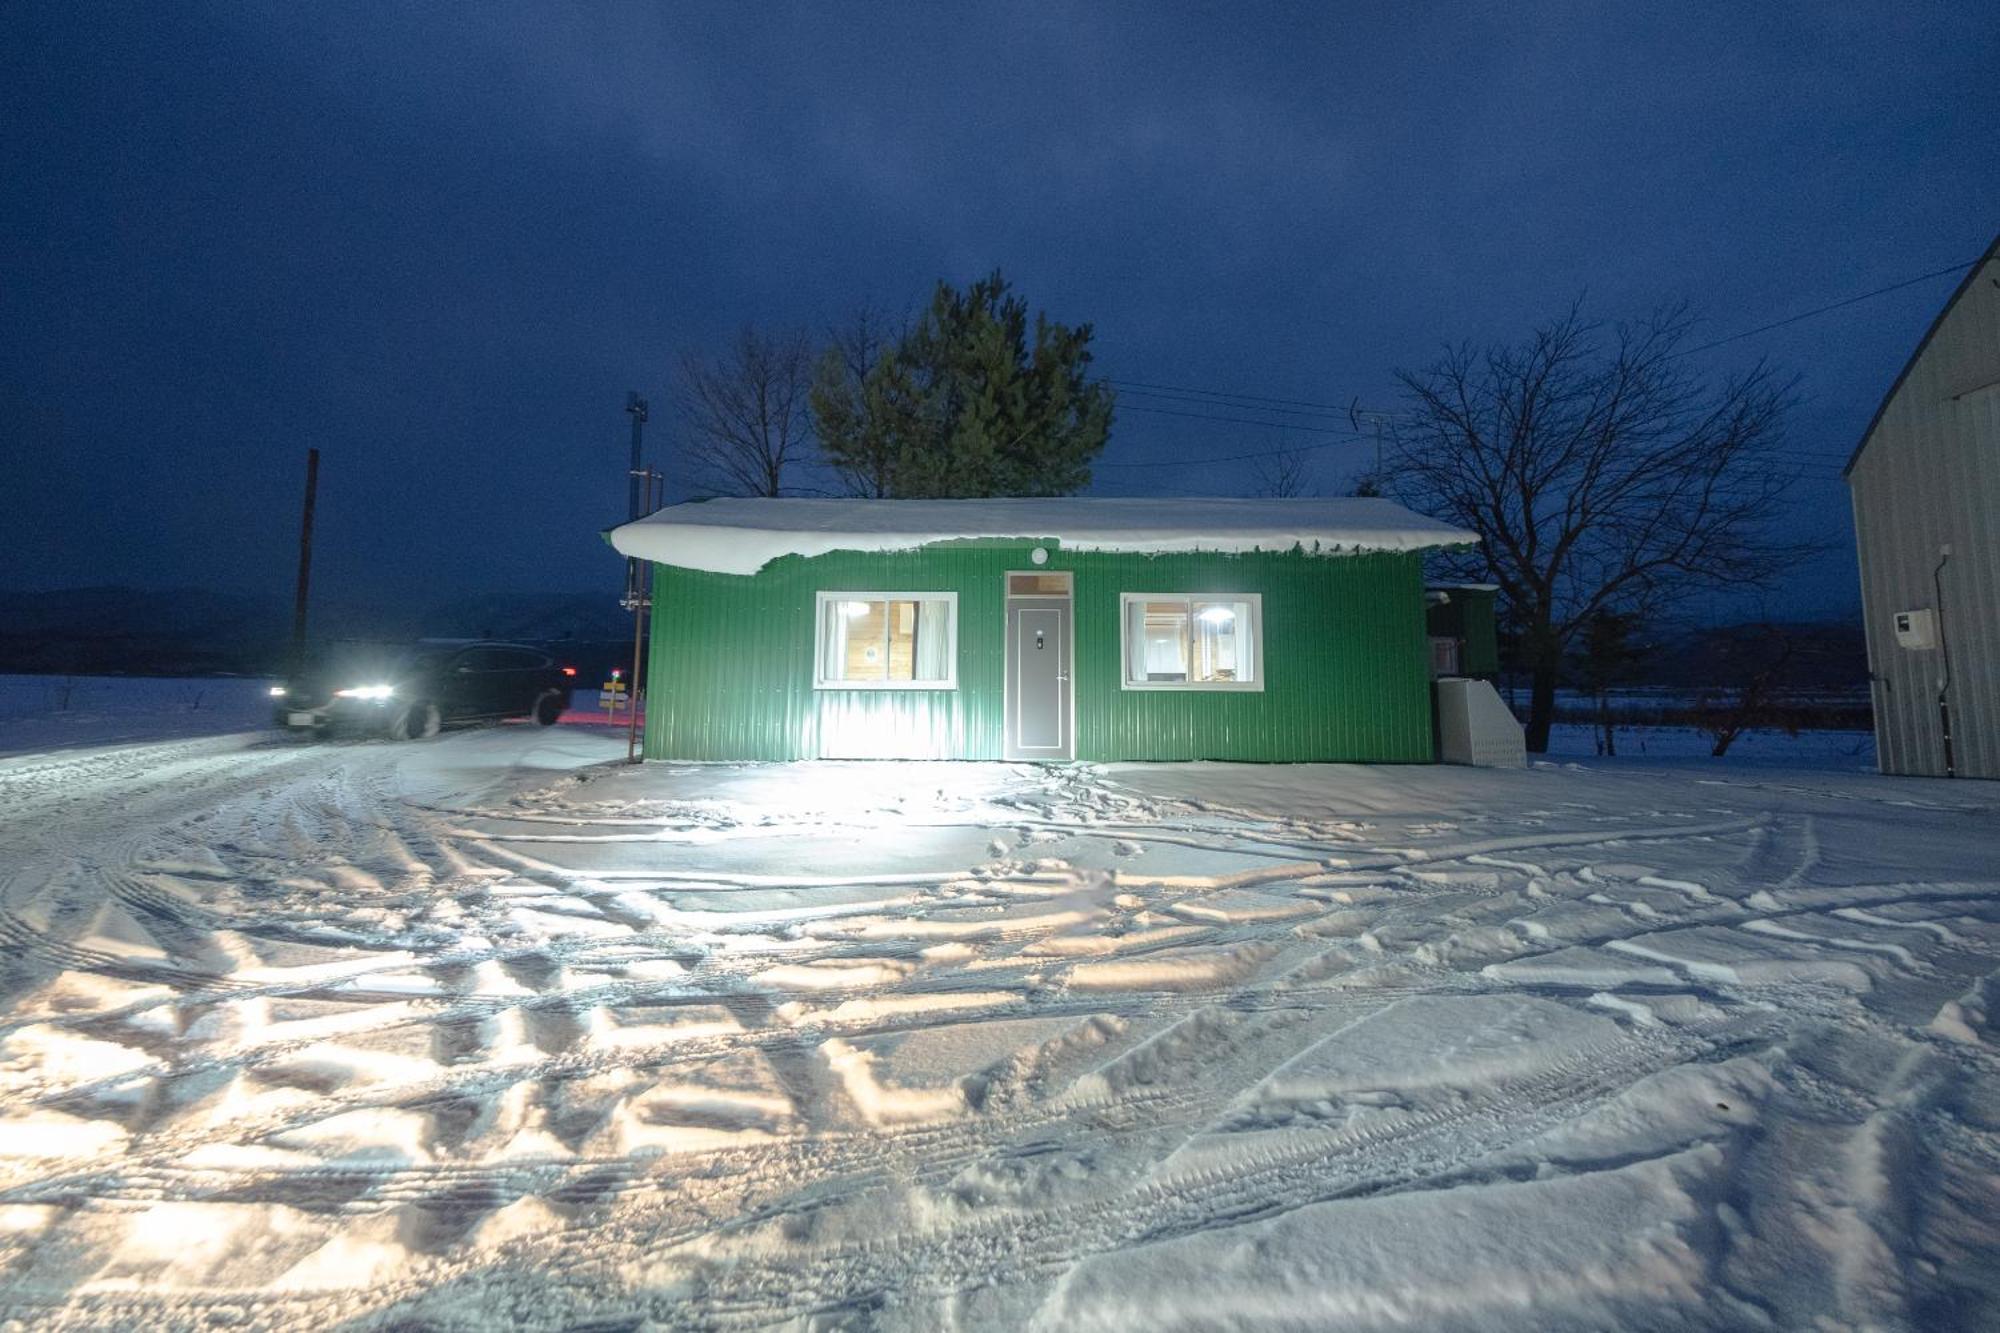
[(1052, 629)]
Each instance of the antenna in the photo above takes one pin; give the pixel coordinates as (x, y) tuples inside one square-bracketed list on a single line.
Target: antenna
[(1356, 414), (635, 405)]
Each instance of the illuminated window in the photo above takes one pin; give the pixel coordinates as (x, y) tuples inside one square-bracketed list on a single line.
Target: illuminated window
[(887, 641), (1192, 641)]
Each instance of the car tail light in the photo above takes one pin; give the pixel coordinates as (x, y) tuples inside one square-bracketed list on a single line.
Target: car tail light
[(569, 671)]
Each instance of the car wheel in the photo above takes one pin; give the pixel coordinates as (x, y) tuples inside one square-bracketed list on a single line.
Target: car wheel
[(420, 721), (548, 707)]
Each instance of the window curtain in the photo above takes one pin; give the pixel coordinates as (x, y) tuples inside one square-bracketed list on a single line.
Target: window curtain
[(1247, 665), (933, 640), (833, 642), (1156, 639)]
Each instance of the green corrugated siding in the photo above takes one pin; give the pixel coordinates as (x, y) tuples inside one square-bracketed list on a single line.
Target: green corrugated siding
[(732, 661), (1346, 671)]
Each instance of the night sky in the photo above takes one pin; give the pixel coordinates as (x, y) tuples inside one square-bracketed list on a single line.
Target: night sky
[(441, 242)]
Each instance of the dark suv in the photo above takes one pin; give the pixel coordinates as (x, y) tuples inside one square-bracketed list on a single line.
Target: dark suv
[(412, 692)]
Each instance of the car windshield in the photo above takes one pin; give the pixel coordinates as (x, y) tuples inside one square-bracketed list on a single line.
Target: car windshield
[(370, 662), (418, 661)]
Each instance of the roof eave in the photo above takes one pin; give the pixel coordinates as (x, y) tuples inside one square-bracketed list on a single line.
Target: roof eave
[(1965, 285)]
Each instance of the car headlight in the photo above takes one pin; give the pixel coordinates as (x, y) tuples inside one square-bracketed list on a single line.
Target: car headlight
[(277, 691), (365, 692)]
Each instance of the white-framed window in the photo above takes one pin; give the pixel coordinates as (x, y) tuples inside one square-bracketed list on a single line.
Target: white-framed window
[(1192, 641), (886, 641)]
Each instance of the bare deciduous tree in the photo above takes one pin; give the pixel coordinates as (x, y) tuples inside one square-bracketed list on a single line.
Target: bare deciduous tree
[(1282, 475), (1609, 657), (841, 400), (746, 411), (1601, 472), (1758, 667)]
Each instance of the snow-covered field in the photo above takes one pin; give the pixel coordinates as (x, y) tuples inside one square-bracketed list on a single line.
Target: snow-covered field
[(484, 1032), (49, 712), (1843, 751), (39, 713)]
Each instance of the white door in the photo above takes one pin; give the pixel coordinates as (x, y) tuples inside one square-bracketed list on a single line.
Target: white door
[(1038, 684)]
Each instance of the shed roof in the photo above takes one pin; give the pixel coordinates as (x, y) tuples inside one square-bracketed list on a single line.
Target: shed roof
[(741, 536), (1992, 254)]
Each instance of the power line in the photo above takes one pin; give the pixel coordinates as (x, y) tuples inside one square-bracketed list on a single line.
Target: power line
[(1337, 410), (1158, 489), (1333, 408), (1837, 305), (1802, 456), (1211, 402), (1228, 458), (1248, 421), (1790, 457), (1252, 402)]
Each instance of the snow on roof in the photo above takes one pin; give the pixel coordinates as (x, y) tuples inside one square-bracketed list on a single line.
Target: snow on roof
[(741, 536)]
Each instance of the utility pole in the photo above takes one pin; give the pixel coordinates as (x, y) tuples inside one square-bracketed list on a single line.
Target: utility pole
[(1356, 414), (305, 564), (653, 484), (641, 483), (636, 500), (636, 406)]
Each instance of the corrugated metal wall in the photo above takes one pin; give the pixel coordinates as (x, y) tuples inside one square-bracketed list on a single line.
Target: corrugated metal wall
[(731, 673), (732, 662), (1930, 475), (1346, 662)]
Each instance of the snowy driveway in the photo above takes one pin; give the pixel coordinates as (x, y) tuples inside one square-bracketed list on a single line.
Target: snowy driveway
[(478, 1034)]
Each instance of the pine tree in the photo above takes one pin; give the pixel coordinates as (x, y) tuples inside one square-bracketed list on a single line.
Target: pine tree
[(967, 403)]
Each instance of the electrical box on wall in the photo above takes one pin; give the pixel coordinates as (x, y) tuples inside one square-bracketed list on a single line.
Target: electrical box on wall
[(1916, 629)]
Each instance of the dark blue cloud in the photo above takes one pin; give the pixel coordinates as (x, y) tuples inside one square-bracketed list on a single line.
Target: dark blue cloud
[(441, 243)]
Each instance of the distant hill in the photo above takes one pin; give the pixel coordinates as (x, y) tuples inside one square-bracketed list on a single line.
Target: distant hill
[(194, 631)]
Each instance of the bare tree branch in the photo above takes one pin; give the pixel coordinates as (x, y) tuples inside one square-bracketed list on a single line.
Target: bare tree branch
[(1601, 472), (842, 402), (1282, 475), (746, 411)]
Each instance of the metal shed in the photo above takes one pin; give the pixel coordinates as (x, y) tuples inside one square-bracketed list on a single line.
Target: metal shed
[(1925, 484), (1038, 629)]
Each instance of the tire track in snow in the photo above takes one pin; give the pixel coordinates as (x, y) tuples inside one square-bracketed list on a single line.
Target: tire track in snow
[(738, 1222), (1014, 1247)]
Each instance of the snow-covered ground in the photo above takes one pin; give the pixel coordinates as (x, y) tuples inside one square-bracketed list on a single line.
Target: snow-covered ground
[(49, 712), (39, 713), (485, 1032)]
